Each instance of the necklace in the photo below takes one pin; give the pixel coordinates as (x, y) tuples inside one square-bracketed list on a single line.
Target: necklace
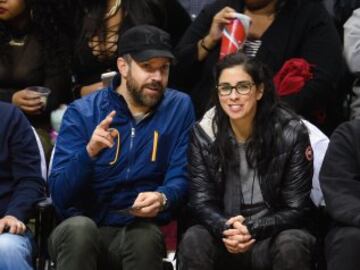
[(113, 9), (17, 42)]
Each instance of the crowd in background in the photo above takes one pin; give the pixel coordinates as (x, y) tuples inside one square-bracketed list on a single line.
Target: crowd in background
[(299, 70)]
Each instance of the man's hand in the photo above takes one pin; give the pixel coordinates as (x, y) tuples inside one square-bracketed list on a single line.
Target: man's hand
[(147, 204), (102, 136), (237, 239), (28, 101), (12, 224)]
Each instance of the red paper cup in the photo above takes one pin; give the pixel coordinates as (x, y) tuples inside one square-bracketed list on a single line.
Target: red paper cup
[(234, 35)]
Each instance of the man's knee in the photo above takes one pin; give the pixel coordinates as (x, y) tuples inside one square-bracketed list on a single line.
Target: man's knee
[(341, 248), (11, 244), (145, 235), (15, 251), (344, 236), (76, 226), (342, 240), (76, 233)]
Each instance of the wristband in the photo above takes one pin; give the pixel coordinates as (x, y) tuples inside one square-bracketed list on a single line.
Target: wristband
[(202, 44)]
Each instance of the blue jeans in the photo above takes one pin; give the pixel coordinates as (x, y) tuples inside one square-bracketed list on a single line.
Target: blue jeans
[(16, 251)]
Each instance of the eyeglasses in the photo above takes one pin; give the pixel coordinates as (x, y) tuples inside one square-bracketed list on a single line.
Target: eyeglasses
[(242, 88)]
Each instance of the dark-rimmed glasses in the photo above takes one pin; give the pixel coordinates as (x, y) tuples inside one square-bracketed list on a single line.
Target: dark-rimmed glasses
[(242, 88)]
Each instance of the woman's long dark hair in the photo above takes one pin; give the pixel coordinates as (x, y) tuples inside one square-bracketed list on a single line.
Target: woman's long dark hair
[(135, 12), (266, 129)]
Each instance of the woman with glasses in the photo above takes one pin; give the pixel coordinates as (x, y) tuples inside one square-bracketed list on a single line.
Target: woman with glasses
[(250, 167), (280, 30)]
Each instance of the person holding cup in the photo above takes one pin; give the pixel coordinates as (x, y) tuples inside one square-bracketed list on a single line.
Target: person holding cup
[(280, 30), (22, 186), (41, 93), (31, 54)]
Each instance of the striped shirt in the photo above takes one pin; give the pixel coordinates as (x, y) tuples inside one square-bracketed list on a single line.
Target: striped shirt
[(251, 47)]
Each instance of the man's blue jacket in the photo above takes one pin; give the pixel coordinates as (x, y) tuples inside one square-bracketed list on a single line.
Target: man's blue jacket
[(152, 157)]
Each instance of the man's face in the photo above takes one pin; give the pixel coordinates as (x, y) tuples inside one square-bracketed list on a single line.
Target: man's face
[(257, 4), (146, 81)]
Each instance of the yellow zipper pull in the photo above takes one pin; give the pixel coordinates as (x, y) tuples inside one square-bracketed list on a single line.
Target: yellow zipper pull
[(117, 146), (155, 146)]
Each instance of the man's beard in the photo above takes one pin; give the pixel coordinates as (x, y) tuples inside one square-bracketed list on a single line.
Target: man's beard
[(138, 95)]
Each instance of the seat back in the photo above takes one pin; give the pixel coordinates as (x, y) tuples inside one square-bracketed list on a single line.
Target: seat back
[(42, 155)]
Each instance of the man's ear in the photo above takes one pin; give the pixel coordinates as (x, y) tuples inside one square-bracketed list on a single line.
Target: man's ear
[(123, 67)]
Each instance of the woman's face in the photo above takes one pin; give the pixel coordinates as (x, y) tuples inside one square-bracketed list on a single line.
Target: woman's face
[(11, 9), (238, 106)]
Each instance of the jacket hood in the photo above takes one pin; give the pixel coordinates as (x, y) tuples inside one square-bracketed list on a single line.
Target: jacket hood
[(206, 123)]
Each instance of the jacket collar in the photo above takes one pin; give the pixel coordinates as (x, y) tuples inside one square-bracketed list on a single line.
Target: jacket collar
[(113, 100), (206, 124)]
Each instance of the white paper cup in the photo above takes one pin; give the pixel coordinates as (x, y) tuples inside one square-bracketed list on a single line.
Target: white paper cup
[(43, 92)]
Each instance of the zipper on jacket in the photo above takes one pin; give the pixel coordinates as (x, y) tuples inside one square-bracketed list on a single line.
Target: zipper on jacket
[(132, 136)]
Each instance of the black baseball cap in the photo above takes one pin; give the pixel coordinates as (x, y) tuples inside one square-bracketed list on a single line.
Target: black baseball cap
[(144, 42)]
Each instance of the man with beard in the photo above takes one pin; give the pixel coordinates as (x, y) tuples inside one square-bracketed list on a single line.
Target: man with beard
[(119, 167), (295, 34)]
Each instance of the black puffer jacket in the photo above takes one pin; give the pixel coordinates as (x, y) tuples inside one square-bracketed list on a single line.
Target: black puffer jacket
[(285, 186)]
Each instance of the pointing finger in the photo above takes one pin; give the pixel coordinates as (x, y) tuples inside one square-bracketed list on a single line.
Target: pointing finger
[(107, 121)]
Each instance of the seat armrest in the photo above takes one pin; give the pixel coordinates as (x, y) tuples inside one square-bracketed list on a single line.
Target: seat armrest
[(45, 221), (44, 205)]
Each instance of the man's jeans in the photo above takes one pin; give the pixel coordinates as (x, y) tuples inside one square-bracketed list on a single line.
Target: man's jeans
[(15, 251), (77, 243), (342, 246)]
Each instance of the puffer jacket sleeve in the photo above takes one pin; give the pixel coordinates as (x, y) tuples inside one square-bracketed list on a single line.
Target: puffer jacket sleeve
[(204, 200), (293, 198)]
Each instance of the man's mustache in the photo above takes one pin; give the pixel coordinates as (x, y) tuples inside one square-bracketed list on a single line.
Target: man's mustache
[(154, 85)]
